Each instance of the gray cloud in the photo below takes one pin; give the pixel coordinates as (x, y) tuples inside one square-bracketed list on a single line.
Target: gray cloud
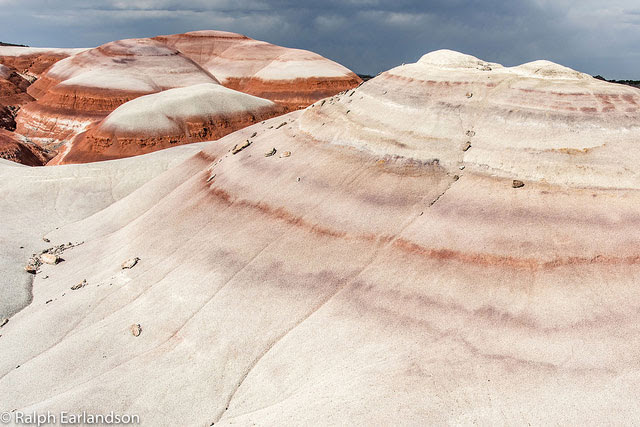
[(367, 36)]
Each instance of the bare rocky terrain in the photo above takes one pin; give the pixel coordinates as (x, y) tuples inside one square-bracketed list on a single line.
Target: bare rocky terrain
[(451, 242)]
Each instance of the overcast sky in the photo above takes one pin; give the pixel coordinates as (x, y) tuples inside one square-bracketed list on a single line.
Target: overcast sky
[(368, 36)]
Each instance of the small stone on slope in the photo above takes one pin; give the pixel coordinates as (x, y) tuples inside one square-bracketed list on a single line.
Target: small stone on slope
[(130, 263), (238, 148), (49, 258), (79, 285), (136, 329)]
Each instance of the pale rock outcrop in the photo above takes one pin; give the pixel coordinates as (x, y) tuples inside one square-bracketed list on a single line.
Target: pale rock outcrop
[(367, 278), (37, 200)]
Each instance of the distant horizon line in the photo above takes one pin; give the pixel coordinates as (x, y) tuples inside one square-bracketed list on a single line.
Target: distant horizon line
[(363, 76)]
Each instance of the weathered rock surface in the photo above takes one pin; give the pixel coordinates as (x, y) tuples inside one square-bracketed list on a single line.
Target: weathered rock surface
[(33, 61), (15, 150), (291, 77), (386, 286), (12, 96), (7, 118), (13, 87)]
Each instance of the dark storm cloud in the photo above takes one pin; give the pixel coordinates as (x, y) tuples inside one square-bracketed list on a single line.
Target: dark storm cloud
[(367, 36)]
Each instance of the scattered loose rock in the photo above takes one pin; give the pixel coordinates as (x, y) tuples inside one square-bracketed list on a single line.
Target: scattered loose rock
[(517, 183), (130, 263), (253, 135), (33, 264), (48, 301), (469, 94), (136, 329), (79, 285), (211, 177), (238, 148), (49, 258), (471, 133), (46, 240), (280, 125), (466, 146), (4, 322), (270, 152), (285, 154)]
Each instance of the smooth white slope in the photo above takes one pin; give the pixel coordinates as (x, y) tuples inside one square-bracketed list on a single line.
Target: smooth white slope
[(21, 51), (357, 281), (37, 200)]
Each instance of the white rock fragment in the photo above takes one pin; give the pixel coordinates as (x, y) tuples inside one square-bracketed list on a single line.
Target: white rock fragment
[(238, 148), (49, 258), (135, 329), (130, 263), (79, 285)]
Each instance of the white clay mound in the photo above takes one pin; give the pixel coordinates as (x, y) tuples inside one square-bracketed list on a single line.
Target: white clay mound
[(164, 112), (139, 65)]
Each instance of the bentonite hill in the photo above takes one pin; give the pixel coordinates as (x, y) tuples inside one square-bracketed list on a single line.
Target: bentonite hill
[(451, 242), (83, 109)]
